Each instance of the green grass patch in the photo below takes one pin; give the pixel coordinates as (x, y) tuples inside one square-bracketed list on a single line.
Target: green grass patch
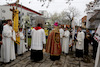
[(29, 42)]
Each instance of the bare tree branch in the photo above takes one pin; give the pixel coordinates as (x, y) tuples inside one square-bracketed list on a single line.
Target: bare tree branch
[(65, 17)]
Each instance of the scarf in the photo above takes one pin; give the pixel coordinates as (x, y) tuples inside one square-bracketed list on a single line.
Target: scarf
[(37, 28)]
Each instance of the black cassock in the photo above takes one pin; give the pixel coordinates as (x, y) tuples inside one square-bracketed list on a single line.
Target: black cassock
[(36, 55), (86, 43)]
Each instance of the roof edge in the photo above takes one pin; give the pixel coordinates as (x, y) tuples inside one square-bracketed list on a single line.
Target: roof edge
[(24, 7)]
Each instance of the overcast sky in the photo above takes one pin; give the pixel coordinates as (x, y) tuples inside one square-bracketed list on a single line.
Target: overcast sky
[(55, 6)]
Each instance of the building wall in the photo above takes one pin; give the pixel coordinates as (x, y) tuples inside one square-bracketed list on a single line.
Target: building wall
[(44, 12), (84, 20), (97, 0), (94, 24), (90, 24), (97, 22), (83, 24), (92, 13), (88, 17), (8, 13)]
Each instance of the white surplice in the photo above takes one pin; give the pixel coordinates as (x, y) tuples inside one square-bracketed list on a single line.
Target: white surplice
[(21, 48), (80, 41), (65, 46), (61, 32), (38, 39), (6, 47), (61, 35), (13, 46)]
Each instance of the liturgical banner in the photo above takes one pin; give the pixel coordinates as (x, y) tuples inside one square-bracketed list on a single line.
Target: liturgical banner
[(16, 24)]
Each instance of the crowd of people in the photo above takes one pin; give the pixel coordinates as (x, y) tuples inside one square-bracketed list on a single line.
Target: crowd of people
[(60, 40), (78, 42)]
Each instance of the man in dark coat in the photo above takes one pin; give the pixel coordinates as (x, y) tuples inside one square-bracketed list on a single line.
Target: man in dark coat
[(95, 46), (87, 40)]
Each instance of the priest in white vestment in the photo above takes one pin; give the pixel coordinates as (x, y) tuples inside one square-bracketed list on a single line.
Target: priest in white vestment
[(61, 34), (65, 45), (80, 43), (6, 47), (21, 48), (12, 46), (38, 39)]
